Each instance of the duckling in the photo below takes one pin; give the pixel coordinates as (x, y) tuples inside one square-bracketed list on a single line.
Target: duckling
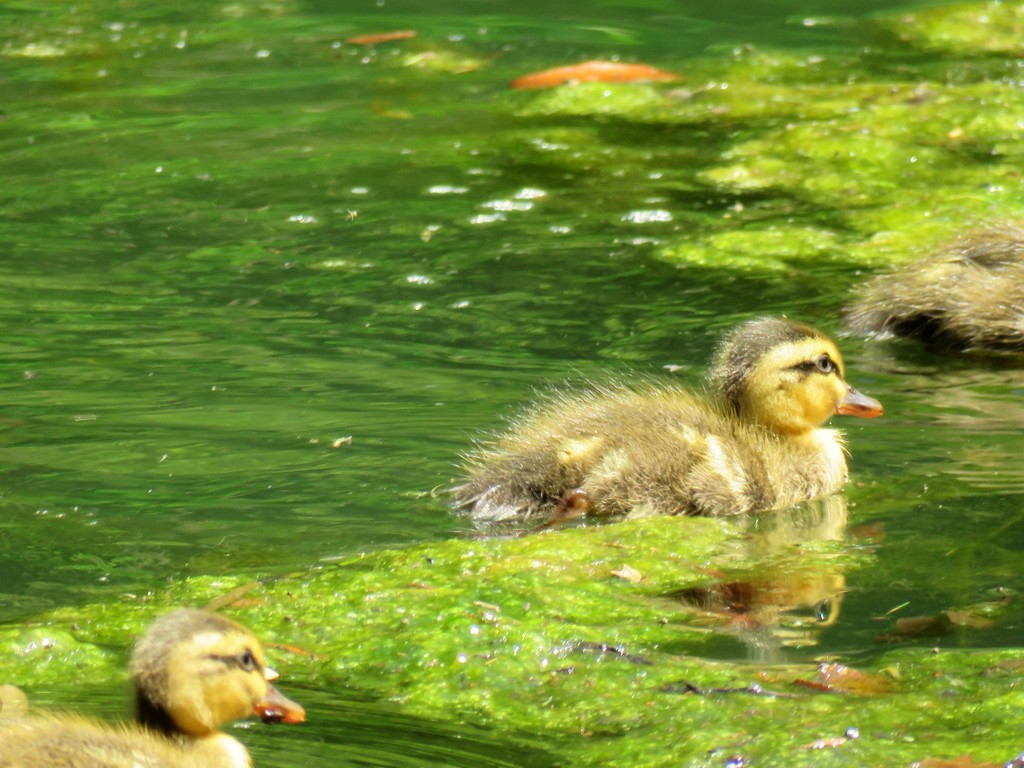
[(754, 444), (13, 701), (968, 294), (193, 671)]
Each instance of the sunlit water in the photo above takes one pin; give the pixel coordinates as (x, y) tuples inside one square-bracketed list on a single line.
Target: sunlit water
[(260, 289)]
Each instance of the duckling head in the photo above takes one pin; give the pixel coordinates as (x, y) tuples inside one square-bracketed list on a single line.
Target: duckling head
[(786, 376), (195, 670)]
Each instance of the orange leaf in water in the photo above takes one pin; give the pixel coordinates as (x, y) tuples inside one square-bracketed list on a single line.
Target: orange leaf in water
[(814, 686), (839, 678), (382, 37), (291, 649), (592, 72)]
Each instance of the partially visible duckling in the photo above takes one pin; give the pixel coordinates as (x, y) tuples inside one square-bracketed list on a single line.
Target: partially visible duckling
[(193, 672), (13, 701), (967, 294), (756, 444)]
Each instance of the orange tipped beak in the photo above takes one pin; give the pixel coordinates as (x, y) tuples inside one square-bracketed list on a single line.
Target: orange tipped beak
[(275, 707), (855, 403)]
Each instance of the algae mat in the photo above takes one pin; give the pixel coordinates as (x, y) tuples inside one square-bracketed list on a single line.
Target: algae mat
[(576, 640)]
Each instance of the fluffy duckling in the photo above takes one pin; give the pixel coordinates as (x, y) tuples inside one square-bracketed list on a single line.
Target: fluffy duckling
[(13, 701), (193, 671), (755, 444), (968, 294)]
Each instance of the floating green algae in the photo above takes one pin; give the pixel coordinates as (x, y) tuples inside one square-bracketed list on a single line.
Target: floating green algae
[(883, 156), (767, 248), (787, 159), (968, 29), (575, 639), (639, 102)]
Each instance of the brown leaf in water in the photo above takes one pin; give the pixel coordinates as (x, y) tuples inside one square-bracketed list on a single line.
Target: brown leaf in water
[(814, 685), (381, 37), (921, 626), (939, 625), (850, 680), (592, 72), (867, 532), (236, 597), (839, 678)]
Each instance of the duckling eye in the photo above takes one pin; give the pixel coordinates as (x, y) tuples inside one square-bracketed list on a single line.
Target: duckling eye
[(823, 610), (247, 661), (825, 364)]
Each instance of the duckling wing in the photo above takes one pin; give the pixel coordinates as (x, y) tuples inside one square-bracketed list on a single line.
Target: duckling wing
[(678, 455), (652, 450)]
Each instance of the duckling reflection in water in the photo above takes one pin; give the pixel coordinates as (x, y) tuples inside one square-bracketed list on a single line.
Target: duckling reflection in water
[(968, 294), (193, 672), (756, 443), (773, 593)]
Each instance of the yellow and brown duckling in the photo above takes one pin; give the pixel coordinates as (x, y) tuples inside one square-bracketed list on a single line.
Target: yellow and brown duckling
[(756, 443), (967, 294), (193, 672)]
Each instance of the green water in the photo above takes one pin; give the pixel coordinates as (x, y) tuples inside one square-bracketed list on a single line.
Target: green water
[(260, 289)]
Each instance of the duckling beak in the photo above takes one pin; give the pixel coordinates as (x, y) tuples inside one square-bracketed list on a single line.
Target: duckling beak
[(856, 403), (275, 707)]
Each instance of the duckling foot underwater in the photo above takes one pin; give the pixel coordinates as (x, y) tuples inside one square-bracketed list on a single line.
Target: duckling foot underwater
[(754, 442), (193, 671)]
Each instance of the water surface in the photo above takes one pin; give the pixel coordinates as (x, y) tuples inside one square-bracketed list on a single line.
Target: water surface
[(261, 288)]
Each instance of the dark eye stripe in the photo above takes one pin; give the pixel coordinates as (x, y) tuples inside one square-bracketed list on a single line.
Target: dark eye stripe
[(246, 661), (823, 364), (808, 366)]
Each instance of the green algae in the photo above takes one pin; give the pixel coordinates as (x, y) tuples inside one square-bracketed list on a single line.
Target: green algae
[(639, 102), (767, 248), (805, 158), (552, 640), (51, 655), (967, 29), (885, 158)]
